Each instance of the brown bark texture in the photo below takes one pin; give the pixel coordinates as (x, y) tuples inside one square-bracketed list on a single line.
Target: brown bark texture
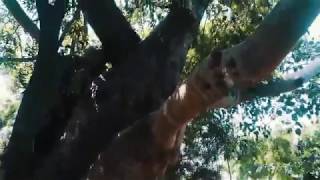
[(78, 121)]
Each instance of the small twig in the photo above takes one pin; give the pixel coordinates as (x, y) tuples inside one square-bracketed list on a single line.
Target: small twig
[(229, 169), (18, 60)]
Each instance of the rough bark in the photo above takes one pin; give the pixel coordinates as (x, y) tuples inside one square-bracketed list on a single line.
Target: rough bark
[(159, 59), (145, 150), (54, 88), (144, 75), (20, 159)]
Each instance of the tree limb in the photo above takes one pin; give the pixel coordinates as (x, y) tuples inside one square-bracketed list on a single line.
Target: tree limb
[(215, 82), (147, 146), (50, 21), (273, 39), (290, 82), (27, 147), (112, 28), (151, 72), (22, 18)]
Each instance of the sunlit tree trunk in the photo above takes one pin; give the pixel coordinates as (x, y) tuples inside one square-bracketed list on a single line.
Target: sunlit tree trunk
[(129, 122)]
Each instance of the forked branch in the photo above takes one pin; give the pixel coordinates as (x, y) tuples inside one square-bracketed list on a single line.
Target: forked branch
[(155, 60), (215, 83)]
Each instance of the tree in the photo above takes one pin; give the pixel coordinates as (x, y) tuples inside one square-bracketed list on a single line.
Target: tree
[(129, 120), (278, 158)]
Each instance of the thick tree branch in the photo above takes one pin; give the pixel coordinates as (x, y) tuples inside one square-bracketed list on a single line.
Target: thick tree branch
[(27, 147), (290, 82), (272, 41), (145, 150), (50, 21), (112, 28), (151, 73), (217, 80), (22, 18)]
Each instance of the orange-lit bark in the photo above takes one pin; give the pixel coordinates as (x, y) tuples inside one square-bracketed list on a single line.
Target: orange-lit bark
[(146, 149)]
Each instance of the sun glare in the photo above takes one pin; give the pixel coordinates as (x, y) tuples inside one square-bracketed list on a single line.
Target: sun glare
[(314, 30)]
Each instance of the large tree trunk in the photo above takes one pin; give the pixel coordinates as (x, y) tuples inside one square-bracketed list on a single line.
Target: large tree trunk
[(145, 150), (35, 140), (67, 95), (159, 59)]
